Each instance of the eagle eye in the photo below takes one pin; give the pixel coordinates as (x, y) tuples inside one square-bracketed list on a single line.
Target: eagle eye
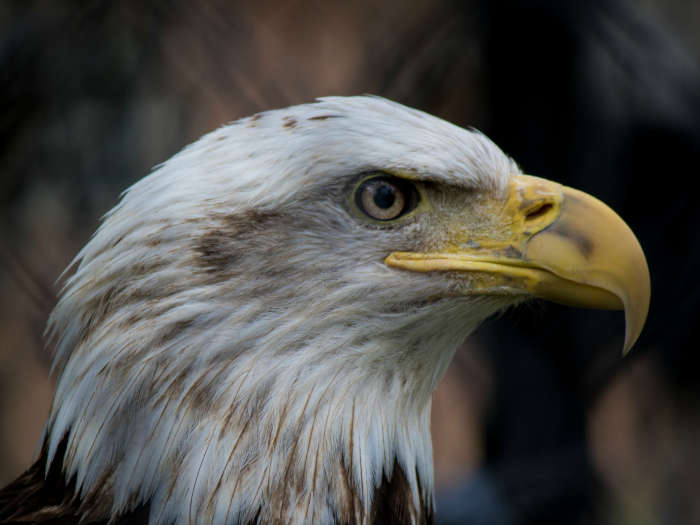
[(385, 198)]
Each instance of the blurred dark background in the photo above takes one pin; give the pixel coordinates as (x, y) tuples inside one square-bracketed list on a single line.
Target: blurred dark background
[(539, 420)]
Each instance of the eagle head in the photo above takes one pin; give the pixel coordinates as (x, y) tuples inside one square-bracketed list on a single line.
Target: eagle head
[(254, 332)]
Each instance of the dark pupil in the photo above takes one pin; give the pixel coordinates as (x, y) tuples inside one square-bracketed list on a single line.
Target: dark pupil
[(384, 197)]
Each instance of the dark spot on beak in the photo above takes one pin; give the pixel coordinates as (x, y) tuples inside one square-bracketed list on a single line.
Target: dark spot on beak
[(582, 243), (579, 208)]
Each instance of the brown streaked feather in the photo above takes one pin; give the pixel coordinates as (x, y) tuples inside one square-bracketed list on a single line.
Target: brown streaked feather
[(393, 501), (48, 498)]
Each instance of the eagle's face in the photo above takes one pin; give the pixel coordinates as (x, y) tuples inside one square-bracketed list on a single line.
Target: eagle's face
[(257, 327)]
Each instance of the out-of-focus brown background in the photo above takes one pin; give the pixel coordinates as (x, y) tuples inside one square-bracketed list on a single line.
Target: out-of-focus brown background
[(539, 420)]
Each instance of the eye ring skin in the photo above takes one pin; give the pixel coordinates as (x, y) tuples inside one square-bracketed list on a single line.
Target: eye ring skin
[(407, 191)]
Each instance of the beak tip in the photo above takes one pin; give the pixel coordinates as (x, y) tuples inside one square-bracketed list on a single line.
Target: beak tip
[(627, 346), (635, 318)]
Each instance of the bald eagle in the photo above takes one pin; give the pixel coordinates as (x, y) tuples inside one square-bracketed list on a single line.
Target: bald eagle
[(254, 332)]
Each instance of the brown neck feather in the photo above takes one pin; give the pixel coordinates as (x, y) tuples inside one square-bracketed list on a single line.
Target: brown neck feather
[(37, 498), (393, 501)]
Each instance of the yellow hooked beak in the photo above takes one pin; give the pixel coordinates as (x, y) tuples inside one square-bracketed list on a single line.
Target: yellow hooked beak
[(548, 241)]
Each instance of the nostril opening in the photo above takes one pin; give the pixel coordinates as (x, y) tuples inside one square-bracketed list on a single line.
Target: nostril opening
[(539, 211)]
